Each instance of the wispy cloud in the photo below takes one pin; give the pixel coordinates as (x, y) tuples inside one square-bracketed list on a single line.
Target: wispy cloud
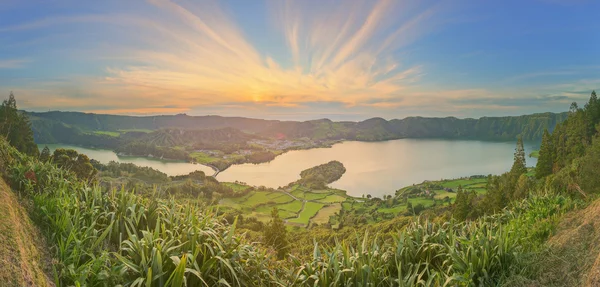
[(195, 53), (13, 63), (161, 56)]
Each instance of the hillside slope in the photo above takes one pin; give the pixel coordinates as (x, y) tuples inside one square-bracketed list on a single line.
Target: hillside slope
[(573, 254), (22, 258)]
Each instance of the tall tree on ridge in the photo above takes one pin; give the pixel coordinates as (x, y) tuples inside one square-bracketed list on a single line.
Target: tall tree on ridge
[(519, 167), (15, 127), (546, 157)]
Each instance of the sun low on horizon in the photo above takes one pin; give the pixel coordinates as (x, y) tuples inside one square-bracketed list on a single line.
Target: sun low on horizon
[(300, 60)]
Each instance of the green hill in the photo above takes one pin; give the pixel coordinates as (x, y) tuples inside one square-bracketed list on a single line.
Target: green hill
[(69, 127)]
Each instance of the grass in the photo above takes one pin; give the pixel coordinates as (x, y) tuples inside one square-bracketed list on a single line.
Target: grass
[(236, 186), (326, 212), (310, 210), (313, 196), (346, 205), (22, 254), (324, 190), (110, 238), (424, 201), (294, 206), (116, 237), (468, 184), (332, 198), (107, 133), (235, 203), (534, 154), (201, 157), (393, 210), (298, 192), (136, 130), (464, 182), (441, 194), (265, 212), (262, 197)]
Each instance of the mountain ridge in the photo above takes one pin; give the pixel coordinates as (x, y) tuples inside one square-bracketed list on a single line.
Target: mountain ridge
[(374, 129)]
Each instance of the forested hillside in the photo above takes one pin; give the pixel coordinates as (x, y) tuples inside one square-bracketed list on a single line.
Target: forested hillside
[(52, 127)]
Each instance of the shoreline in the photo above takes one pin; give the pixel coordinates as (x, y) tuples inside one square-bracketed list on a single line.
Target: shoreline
[(217, 171)]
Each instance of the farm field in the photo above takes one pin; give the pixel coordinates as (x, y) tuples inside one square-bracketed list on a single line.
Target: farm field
[(323, 216), (308, 212), (302, 206), (298, 204)]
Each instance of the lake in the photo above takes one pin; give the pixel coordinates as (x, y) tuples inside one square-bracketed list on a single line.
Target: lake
[(375, 168), (380, 168), (171, 168)]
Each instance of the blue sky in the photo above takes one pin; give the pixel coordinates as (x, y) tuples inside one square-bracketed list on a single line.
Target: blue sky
[(344, 60)]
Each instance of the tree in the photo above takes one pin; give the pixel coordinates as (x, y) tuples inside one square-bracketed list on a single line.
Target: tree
[(77, 163), (559, 142), (15, 127), (522, 187), (589, 173), (577, 134), (45, 155), (574, 108), (499, 189), (546, 157), (592, 110), (418, 208), (464, 204), (519, 167), (276, 235)]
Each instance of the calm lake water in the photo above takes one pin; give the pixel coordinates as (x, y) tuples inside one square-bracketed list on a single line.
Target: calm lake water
[(380, 168), (171, 168), (375, 168)]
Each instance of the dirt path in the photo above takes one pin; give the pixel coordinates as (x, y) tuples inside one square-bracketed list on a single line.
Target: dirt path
[(22, 252)]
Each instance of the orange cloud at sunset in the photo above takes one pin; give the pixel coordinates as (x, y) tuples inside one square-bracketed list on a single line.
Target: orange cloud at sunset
[(375, 57)]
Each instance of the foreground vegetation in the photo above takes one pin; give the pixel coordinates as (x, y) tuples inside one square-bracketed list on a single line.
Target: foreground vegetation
[(115, 237), (102, 236)]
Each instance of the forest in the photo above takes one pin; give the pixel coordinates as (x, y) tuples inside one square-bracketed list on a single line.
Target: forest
[(57, 127), (529, 227)]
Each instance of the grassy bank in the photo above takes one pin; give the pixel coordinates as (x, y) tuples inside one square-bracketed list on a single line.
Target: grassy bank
[(23, 254)]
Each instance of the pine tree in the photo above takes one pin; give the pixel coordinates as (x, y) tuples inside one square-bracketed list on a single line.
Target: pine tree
[(460, 204), (558, 141), (577, 135), (15, 127), (519, 167), (589, 173), (45, 155), (522, 187), (592, 111), (276, 234), (546, 158)]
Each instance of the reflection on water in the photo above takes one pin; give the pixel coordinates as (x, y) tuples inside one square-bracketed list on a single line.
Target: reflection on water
[(380, 168), (375, 168), (104, 156)]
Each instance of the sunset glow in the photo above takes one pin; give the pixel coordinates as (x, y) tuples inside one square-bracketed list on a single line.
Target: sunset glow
[(289, 59)]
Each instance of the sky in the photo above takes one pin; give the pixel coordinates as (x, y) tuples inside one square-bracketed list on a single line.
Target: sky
[(300, 59)]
